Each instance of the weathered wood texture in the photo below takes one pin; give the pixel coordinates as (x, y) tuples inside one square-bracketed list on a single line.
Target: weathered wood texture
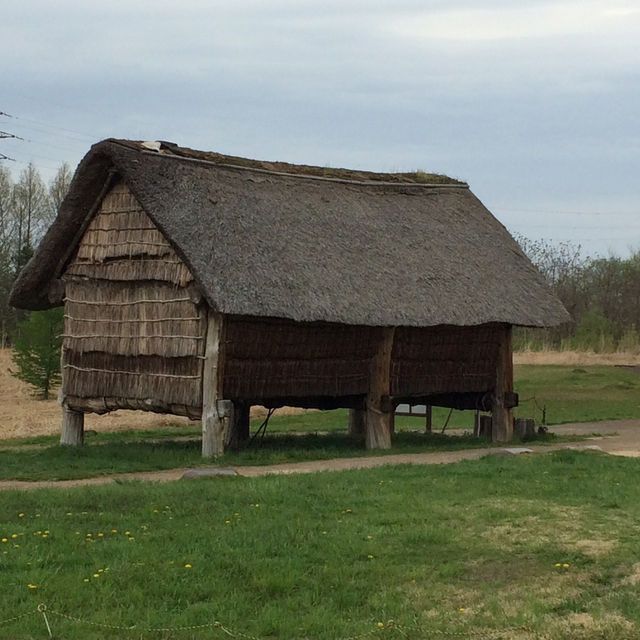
[(428, 419), (502, 416), (72, 427), (379, 418), (213, 423), (134, 334)]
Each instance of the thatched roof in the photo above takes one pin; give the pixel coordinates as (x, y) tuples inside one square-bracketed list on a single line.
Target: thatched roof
[(311, 244)]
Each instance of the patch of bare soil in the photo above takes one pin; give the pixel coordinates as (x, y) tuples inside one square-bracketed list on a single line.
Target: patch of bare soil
[(577, 358), (22, 415)]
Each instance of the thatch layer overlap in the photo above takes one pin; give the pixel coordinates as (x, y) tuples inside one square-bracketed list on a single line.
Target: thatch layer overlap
[(357, 249)]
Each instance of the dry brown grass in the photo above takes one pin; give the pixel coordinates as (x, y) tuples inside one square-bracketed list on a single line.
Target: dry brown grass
[(578, 358), (21, 415)]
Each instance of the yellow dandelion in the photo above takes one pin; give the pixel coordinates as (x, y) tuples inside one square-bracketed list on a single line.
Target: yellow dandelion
[(14, 536), (370, 557), (114, 531), (131, 538), (127, 533), (69, 513), (45, 535), (227, 521), (100, 570), (187, 566), (380, 625), (565, 565), (32, 586), (101, 535), (96, 575), (324, 533), (348, 511), (21, 515), (369, 537), (89, 535), (5, 540), (85, 580), (156, 511), (462, 609), (558, 564)]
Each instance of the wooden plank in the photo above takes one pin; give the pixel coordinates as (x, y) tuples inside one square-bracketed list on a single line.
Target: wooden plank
[(213, 423), (502, 416), (429, 418), (357, 421), (379, 418)]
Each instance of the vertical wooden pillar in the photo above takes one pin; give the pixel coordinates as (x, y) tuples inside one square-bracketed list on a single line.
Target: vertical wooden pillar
[(502, 418), (213, 422), (379, 418), (429, 421), (72, 432), (357, 420), (72, 427), (239, 426)]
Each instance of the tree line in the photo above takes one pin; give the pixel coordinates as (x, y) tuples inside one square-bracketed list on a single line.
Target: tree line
[(602, 295), (28, 206)]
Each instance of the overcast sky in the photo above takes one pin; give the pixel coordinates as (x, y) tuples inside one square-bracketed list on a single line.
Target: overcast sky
[(536, 104)]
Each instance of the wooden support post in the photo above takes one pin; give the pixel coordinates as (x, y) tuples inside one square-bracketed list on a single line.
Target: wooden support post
[(379, 416), (72, 427), (502, 417), (239, 427), (429, 420), (213, 423), (357, 420)]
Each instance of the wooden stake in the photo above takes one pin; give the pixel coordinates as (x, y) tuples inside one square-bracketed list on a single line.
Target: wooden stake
[(379, 419), (213, 424), (502, 418), (429, 422), (72, 427), (357, 420)]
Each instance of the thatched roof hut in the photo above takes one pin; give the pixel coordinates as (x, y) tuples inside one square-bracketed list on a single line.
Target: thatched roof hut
[(191, 278)]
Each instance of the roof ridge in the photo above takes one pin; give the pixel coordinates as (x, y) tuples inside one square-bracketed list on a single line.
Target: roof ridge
[(172, 150)]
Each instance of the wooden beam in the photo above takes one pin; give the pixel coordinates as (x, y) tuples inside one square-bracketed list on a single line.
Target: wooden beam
[(213, 422), (379, 417), (429, 418), (502, 416), (239, 428), (72, 428), (357, 421)]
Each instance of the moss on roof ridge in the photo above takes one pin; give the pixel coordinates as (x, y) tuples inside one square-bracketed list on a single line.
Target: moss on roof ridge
[(412, 177)]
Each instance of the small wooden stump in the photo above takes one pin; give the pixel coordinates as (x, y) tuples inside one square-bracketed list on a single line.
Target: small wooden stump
[(525, 428)]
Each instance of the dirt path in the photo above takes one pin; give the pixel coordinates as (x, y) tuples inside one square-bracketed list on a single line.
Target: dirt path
[(621, 438)]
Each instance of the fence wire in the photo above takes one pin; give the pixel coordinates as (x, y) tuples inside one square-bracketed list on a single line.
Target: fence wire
[(390, 626)]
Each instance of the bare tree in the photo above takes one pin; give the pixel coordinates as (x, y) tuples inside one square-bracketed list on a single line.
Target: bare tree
[(59, 187)]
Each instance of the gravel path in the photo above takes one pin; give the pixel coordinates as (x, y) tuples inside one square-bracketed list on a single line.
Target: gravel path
[(621, 438)]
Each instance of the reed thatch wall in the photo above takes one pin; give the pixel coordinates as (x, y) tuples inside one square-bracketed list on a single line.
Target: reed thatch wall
[(444, 359), (268, 359), (133, 330)]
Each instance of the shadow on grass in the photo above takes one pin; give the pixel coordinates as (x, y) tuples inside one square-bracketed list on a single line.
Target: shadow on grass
[(126, 456)]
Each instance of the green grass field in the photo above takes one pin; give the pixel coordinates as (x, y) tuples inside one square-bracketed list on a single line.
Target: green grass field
[(568, 394), (528, 547)]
